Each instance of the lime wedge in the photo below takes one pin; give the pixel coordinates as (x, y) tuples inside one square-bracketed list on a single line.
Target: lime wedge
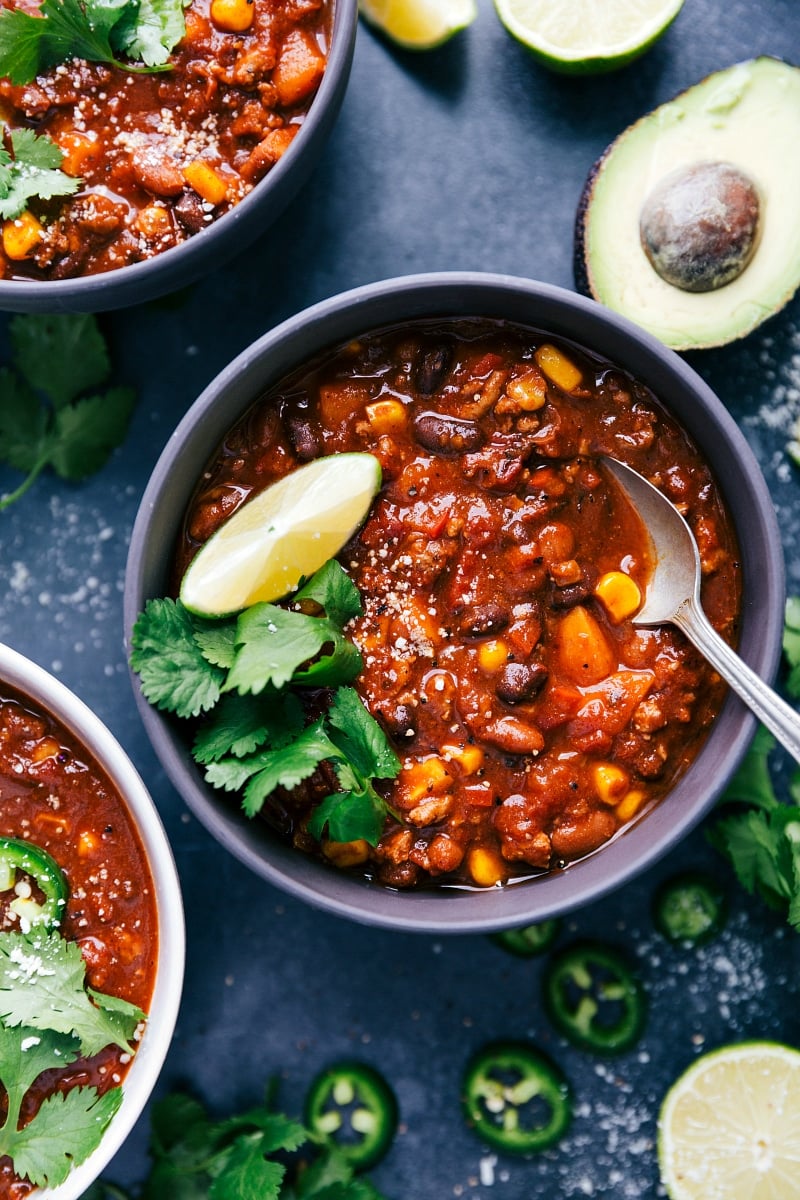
[(419, 24), (585, 37), (729, 1128), (282, 535)]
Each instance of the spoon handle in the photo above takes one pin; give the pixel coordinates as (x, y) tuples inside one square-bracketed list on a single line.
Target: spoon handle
[(773, 712)]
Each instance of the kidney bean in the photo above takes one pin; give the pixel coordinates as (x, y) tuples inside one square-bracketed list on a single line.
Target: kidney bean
[(513, 736), (481, 619), (579, 833), (520, 681), (446, 435), (303, 436)]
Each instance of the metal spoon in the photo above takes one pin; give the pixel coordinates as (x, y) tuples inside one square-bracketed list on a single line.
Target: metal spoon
[(673, 595)]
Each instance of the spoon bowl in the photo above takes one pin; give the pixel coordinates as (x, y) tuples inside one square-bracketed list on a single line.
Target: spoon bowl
[(673, 596)]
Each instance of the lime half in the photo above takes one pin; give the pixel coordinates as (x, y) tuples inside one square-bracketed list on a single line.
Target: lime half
[(585, 37), (419, 24), (729, 1128), (281, 535)]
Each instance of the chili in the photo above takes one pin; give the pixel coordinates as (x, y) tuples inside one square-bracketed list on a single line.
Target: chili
[(352, 1105), (528, 940), (689, 908), (499, 569), (594, 998), (515, 1098), (21, 864)]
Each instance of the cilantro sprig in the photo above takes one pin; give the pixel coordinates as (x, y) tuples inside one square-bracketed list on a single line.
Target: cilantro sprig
[(759, 833), (245, 677), (48, 1018), (95, 30), (51, 413), (247, 1156), (31, 169)]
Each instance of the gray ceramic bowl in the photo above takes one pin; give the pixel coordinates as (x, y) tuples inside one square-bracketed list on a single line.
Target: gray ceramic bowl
[(212, 247), (560, 313)]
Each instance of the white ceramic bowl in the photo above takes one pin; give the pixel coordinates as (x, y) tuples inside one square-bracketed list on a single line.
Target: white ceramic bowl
[(54, 698)]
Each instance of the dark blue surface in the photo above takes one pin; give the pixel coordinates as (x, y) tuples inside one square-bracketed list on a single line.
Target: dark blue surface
[(469, 157)]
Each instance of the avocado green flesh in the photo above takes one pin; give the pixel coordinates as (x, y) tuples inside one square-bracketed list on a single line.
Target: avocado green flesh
[(747, 115)]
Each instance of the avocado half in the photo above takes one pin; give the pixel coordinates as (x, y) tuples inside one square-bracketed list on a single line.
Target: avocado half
[(745, 118)]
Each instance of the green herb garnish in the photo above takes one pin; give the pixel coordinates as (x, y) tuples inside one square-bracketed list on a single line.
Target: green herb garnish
[(760, 835), (32, 169), (94, 30), (48, 1018), (246, 675), (46, 417), (242, 1157)]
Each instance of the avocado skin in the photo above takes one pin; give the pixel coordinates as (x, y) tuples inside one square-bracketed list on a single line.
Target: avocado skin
[(581, 266)]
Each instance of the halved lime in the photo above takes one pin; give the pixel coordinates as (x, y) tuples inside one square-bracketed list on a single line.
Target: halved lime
[(419, 24), (729, 1128), (585, 37), (282, 535)]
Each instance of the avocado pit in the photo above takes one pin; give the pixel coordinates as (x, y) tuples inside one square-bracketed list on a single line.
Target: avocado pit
[(699, 226)]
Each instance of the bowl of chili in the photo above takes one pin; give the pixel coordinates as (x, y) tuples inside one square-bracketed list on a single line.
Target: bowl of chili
[(89, 902), (544, 750), (158, 154)]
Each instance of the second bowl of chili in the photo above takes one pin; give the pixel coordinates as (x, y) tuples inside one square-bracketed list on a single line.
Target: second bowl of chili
[(536, 732), (159, 157)]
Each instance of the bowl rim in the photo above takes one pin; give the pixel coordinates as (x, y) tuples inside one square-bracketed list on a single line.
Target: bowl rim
[(211, 248), (433, 295), (55, 698)]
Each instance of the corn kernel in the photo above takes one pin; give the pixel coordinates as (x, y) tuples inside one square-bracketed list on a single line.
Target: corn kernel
[(386, 416), (486, 866), (493, 655), (88, 843), (204, 180), (619, 594), (469, 758), (425, 778), (21, 236), (558, 368), (347, 854), (47, 748), (232, 16), (630, 804), (610, 782)]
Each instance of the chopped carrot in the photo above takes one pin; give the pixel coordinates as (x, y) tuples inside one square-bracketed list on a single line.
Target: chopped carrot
[(584, 652)]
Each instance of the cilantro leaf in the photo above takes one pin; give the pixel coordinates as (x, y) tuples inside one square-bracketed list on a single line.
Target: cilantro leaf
[(284, 767), (752, 784), (360, 736), (244, 1172), (86, 432), (274, 643), (349, 816), (218, 643), (20, 42), (24, 438), (33, 171), (64, 1132), (334, 591), (60, 354), (26, 1052), (240, 725), (791, 645), (43, 985), (174, 674), (151, 31)]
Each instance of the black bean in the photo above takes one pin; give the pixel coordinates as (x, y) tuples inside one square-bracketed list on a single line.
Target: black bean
[(190, 212), (569, 596), (484, 618), (399, 721), (303, 436), (520, 681), (447, 435), (430, 370)]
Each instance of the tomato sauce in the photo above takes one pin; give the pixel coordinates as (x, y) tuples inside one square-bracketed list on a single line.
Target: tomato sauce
[(499, 567), (53, 794), (161, 156)]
